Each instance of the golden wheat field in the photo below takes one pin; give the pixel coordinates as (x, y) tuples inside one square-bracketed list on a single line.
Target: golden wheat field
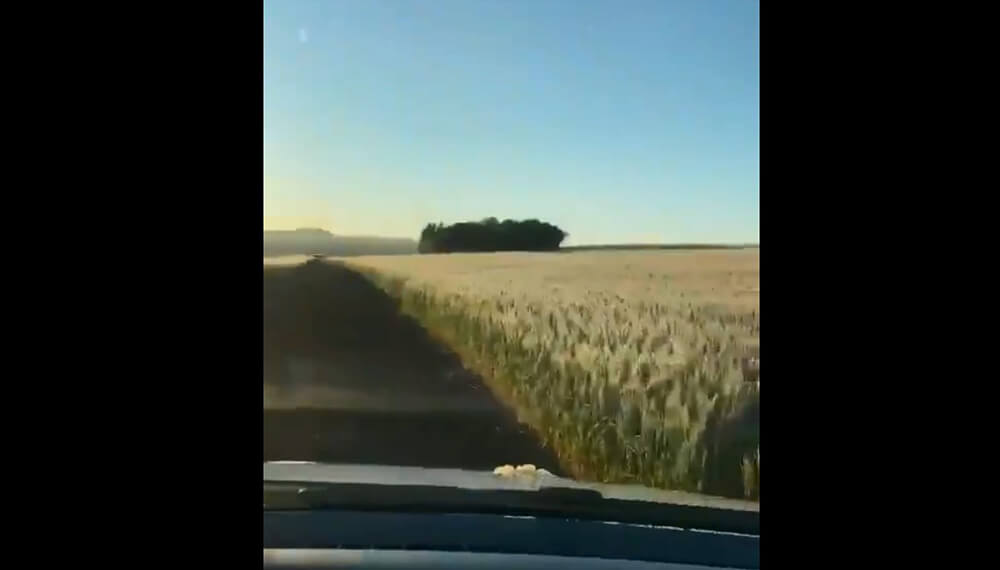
[(635, 366)]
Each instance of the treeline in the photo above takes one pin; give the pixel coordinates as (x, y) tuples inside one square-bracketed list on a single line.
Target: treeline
[(491, 235)]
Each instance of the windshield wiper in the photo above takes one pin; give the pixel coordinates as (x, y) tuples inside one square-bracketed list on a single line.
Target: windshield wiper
[(587, 504)]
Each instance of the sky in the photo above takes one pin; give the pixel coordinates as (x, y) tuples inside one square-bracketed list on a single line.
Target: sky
[(618, 121)]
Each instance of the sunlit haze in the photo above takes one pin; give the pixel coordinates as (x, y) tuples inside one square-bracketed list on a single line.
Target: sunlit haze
[(620, 122)]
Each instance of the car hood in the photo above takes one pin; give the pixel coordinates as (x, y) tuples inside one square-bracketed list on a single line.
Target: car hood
[(522, 478)]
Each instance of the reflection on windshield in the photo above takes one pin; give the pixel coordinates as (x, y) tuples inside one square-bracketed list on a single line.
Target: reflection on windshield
[(510, 234)]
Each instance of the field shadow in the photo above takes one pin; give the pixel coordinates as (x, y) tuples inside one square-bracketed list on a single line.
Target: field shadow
[(348, 378)]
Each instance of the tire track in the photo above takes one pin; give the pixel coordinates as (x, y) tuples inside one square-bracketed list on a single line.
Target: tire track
[(349, 379)]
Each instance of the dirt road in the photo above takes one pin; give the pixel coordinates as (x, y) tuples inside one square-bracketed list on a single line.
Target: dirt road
[(349, 379)]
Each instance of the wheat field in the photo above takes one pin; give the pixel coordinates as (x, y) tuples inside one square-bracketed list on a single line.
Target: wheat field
[(634, 366)]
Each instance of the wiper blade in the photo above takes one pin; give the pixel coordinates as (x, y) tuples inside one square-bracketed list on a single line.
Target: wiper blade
[(576, 503)]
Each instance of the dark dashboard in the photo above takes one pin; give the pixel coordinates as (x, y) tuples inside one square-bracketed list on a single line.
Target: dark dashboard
[(378, 516), (357, 539)]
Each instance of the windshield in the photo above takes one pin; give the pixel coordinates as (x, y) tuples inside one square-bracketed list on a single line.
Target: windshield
[(514, 233)]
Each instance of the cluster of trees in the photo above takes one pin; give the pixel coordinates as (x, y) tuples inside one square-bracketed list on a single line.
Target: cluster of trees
[(491, 235)]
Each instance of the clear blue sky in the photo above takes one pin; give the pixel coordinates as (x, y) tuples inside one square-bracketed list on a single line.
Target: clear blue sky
[(628, 121)]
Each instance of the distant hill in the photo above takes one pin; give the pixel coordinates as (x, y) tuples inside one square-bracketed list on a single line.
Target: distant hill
[(310, 240)]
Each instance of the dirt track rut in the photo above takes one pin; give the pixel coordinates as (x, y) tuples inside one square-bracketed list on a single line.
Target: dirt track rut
[(349, 379)]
